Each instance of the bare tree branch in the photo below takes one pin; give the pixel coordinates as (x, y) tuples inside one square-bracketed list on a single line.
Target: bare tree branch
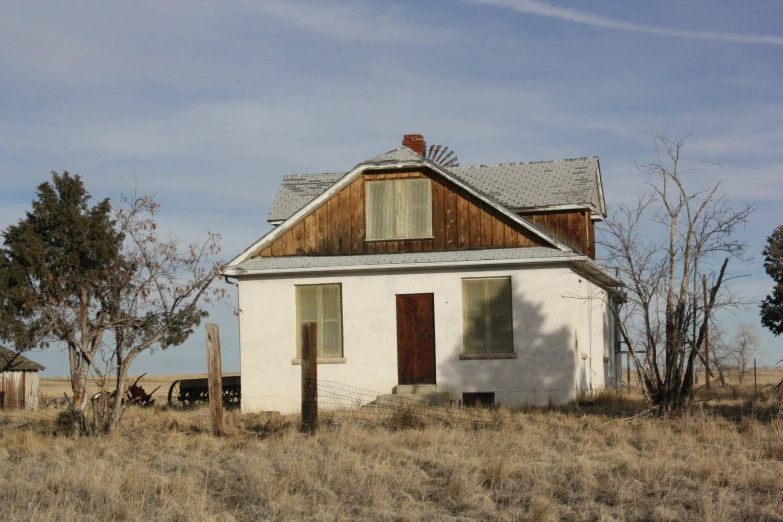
[(659, 247)]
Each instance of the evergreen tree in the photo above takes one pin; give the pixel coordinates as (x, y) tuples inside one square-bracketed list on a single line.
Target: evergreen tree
[(102, 282), (772, 305), (56, 268)]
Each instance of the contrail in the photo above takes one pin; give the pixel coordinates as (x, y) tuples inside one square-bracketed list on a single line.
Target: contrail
[(582, 17)]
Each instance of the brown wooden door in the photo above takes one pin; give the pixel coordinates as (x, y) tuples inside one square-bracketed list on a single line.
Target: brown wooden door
[(416, 338)]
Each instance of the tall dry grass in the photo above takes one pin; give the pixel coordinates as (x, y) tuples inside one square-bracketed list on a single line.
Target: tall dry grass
[(574, 463)]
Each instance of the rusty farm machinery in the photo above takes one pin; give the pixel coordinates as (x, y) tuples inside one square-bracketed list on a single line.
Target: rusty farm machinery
[(134, 394), (193, 392)]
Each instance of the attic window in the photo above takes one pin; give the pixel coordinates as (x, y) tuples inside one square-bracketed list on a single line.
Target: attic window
[(399, 209)]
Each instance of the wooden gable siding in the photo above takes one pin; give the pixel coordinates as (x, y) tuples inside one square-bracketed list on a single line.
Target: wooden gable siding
[(575, 228), (459, 221)]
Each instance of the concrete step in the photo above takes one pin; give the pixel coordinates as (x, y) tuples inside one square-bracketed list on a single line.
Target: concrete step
[(415, 388), (401, 399)]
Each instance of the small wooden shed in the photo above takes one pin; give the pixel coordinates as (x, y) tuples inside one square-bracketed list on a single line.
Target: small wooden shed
[(18, 381)]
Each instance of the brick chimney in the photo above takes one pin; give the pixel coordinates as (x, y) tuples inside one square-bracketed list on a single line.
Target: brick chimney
[(416, 143)]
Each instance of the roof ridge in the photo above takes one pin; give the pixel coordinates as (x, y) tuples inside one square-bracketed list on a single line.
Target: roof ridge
[(539, 162), (513, 163), (402, 153), (286, 176)]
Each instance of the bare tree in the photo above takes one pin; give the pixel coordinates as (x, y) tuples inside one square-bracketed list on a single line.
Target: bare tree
[(662, 246), (99, 279), (720, 353), (744, 347), (155, 300), (733, 352)]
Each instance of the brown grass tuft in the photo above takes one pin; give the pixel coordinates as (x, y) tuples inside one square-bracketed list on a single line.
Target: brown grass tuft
[(581, 462)]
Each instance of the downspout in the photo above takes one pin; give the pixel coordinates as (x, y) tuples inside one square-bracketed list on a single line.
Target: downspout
[(225, 278), (590, 333)]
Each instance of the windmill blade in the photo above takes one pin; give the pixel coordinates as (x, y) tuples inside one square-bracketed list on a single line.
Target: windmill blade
[(454, 162), (445, 158), (441, 155)]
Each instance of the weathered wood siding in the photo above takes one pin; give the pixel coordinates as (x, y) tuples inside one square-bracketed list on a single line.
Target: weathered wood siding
[(574, 228), (460, 221), (19, 390)]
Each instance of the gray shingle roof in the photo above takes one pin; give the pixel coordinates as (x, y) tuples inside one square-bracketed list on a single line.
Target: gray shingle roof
[(405, 258), (297, 190), (401, 154), (536, 184), (12, 361), (515, 185)]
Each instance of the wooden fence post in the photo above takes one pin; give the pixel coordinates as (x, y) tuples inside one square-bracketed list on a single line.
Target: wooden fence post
[(309, 377), (215, 382), (755, 381)]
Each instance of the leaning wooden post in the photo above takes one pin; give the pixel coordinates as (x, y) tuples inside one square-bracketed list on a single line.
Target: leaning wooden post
[(309, 377), (215, 379)]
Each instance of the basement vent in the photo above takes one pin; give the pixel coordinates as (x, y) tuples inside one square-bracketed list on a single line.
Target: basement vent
[(480, 399)]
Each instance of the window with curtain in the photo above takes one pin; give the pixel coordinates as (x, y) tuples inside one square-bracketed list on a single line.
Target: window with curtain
[(486, 316), (322, 304), (399, 208)]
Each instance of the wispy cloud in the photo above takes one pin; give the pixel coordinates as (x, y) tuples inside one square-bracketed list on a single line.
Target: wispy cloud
[(209, 104), (353, 21), (582, 17)]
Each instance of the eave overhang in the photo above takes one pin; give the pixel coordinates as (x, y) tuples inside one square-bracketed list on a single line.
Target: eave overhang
[(590, 269), (582, 265)]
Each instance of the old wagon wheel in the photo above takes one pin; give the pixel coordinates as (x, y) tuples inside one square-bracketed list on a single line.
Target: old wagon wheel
[(174, 395)]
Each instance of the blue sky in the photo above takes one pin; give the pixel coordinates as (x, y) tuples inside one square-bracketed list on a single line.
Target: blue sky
[(209, 104)]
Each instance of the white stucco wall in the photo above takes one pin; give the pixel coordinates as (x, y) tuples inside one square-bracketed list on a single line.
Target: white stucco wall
[(559, 338)]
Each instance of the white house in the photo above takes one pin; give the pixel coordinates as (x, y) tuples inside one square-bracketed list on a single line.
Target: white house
[(477, 282)]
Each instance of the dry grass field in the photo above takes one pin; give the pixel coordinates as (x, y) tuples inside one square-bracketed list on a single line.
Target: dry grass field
[(52, 387), (764, 377), (724, 461)]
